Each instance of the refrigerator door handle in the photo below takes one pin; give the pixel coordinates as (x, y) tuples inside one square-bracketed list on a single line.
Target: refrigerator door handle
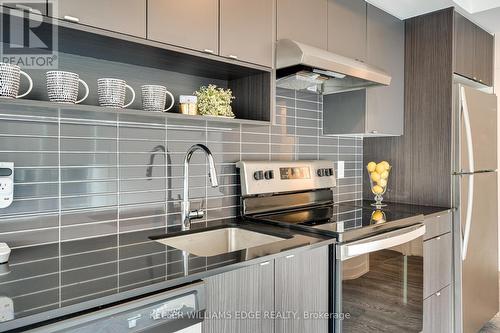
[(470, 157), (467, 173)]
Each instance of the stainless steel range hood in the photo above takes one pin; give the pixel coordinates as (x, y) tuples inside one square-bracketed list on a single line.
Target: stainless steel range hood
[(304, 67)]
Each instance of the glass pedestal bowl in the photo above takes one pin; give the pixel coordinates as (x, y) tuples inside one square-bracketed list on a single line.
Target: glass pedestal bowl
[(379, 180)]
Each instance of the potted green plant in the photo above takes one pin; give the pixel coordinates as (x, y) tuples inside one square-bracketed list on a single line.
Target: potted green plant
[(214, 101)]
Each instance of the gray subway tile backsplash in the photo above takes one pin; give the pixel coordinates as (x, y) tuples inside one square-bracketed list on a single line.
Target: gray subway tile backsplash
[(81, 174)]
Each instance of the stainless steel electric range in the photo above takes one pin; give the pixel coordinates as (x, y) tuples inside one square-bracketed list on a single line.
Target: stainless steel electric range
[(377, 262)]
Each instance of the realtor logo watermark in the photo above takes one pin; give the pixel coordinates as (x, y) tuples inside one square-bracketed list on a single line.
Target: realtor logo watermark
[(27, 40)]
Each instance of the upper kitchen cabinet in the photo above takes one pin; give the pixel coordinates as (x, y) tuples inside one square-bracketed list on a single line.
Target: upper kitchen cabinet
[(192, 24), (347, 28), (246, 30), (303, 21), (376, 111), (386, 50), (483, 56), (123, 16), (473, 51)]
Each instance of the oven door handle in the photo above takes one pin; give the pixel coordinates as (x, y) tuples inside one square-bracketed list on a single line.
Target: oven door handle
[(380, 242)]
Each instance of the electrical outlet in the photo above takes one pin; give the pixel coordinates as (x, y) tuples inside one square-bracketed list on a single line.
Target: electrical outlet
[(340, 169), (6, 184)]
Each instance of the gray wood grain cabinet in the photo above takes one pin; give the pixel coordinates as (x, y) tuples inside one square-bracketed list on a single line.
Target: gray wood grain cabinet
[(375, 111), (437, 263), (473, 51), (347, 28), (192, 24), (303, 21), (302, 287), (246, 30), (438, 273), (249, 289), (438, 313), (123, 16), (296, 283)]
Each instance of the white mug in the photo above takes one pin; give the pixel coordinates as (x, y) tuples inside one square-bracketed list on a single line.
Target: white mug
[(112, 92), (154, 98), (62, 87), (10, 78)]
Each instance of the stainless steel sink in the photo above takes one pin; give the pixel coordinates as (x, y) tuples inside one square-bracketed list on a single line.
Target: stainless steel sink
[(218, 241)]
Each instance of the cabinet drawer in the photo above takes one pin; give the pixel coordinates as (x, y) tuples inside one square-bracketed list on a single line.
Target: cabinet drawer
[(437, 312), (437, 224), (437, 264)]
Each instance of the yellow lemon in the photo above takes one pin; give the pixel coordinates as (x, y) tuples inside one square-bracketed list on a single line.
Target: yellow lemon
[(386, 165), (384, 175), (375, 176), (371, 166), (382, 182), (380, 168), (377, 189), (377, 215)]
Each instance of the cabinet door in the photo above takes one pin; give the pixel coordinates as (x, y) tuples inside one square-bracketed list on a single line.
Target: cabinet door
[(192, 24), (124, 16), (483, 56), (243, 291), (347, 28), (437, 263), (386, 50), (302, 288), (303, 21), (246, 30), (437, 312), (464, 46)]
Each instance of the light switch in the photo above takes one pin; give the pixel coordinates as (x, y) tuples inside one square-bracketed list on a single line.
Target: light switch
[(340, 169)]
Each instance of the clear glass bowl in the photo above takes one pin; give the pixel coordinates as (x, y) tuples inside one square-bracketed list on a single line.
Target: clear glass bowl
[(378, 185)]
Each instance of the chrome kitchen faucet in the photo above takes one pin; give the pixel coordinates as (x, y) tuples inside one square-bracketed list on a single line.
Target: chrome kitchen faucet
[(187, 213)]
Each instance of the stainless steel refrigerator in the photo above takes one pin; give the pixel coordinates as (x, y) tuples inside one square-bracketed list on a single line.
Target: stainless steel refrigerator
[(475, 198)]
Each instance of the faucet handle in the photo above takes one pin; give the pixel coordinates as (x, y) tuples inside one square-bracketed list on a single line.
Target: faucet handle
[(196, 214)]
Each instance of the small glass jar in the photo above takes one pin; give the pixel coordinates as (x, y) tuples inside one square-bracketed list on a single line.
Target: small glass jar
[(187, 105)]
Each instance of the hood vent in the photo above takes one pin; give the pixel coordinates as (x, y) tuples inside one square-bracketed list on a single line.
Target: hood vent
[(303, 67)]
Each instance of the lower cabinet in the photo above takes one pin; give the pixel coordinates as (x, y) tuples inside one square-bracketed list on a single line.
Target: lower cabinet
[(437, 312), (235, 295), (259, 297), (301, 286), (438, 304)]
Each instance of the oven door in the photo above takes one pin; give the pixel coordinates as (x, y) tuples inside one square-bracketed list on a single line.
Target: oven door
[(379, 283)]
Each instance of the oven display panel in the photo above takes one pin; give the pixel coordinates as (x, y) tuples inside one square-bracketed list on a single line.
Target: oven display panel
[(295, 173)]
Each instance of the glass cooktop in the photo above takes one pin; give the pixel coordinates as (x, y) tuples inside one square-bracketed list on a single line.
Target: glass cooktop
[(345, 222)]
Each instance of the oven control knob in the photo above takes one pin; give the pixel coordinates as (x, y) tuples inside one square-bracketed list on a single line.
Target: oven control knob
[(330, 171), (321, 172), (269, 174), (258, 175)]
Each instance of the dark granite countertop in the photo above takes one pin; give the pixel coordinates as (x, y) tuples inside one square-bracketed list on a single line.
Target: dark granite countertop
[(55, 280), (409, 208)]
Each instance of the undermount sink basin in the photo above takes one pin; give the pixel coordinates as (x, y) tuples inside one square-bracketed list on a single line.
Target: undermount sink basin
[(218, 241)]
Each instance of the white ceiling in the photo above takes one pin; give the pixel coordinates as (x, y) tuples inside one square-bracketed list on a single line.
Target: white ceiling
[(485, 13)]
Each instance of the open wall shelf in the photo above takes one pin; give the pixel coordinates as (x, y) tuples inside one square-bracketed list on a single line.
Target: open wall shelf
[(95, 53)]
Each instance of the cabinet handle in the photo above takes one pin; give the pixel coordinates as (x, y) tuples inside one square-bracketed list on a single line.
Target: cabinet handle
[(24, 8), (232, 56), (438, 294), (264, 263), (208, 51), (480, 80), (290, 256), (474, 78), (374, 132), (71, 18), (439, 238)]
